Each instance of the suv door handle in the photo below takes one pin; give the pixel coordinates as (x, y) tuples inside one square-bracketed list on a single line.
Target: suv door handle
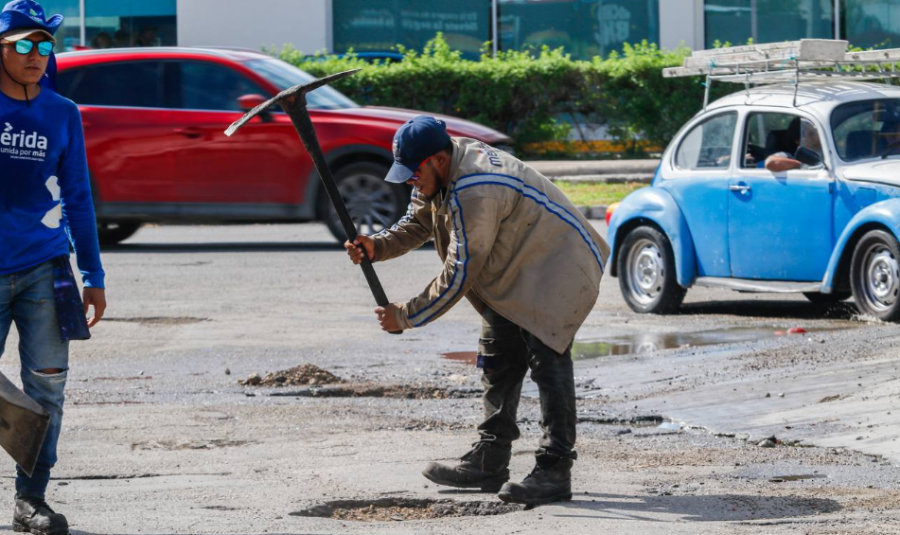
[(190, 132), (743, 188)]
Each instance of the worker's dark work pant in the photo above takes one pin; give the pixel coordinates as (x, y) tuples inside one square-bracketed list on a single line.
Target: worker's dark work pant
[(506, 352)]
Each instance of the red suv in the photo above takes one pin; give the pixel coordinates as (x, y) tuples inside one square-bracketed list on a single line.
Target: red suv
[(154, 123)]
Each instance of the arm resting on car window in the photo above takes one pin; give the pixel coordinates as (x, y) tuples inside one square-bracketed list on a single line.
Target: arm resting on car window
[(777, 163)]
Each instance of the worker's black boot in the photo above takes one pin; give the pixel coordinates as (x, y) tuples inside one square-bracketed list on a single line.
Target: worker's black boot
[(550, 481), (485, 467), (33, 515)]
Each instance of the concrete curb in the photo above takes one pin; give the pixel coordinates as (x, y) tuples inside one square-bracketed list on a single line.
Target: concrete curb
[(603, 179), (597, 172)]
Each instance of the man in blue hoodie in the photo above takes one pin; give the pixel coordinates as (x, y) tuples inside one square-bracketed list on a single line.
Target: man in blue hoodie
[(45, 201)]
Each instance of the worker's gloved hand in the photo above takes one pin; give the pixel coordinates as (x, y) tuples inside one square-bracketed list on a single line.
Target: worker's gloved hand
[(387, 317), (355, 249)]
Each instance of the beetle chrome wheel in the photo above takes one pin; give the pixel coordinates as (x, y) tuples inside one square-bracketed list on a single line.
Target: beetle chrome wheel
[(646, 268), (882, 278), (875, 275), (647, 271)]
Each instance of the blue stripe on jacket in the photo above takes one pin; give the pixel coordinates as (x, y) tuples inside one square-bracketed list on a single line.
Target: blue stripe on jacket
[(540, 198), (461, 238)]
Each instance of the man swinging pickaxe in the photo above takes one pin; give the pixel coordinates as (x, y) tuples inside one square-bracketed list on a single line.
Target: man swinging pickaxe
[(293, 102)]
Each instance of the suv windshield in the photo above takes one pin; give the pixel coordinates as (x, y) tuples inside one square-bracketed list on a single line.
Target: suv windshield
[(286, 76), (867, 128)]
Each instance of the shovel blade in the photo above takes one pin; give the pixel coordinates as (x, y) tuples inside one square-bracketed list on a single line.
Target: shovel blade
[(23, 425)]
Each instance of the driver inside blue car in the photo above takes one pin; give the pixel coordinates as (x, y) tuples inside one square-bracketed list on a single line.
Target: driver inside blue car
[(808, 153)]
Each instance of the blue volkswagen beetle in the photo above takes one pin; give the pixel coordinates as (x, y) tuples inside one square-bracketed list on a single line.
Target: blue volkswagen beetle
[(715, 215)]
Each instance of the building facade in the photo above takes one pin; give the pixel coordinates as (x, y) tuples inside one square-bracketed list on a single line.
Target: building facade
[(585, 28)]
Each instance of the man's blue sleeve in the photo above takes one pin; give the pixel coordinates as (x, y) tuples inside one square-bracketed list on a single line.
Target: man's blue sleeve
[(78, 205)]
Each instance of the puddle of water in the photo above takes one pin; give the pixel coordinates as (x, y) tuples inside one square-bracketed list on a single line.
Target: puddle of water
[(644, 343), (669, 426), (800, 477), (466, 357)]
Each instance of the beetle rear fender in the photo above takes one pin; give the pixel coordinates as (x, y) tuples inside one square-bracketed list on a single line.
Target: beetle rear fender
[(883, 215), (655, 206)]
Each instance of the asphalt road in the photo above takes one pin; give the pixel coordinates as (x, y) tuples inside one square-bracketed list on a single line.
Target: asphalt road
[(160, 437)]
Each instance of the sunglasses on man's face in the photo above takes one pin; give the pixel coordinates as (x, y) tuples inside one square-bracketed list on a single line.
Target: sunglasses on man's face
[(25, 46)]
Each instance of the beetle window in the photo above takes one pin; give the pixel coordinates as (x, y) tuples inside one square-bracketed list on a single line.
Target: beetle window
[(781, 134), (867, 129), (708, 144)]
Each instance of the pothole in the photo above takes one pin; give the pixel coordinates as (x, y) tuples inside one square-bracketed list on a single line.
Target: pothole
[(401, 509), (641, 420), (160, 320), (172, 445), (426, 425), (384, 391), (799, 477)]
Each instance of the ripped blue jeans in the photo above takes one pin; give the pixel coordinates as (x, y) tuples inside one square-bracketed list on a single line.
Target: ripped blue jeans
[(26, 298)]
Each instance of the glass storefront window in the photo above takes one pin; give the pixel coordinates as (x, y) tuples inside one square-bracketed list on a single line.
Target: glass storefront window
[(127, 23), (872, 24), (378, 25), (69, 35), (767, 21), (584, 28)]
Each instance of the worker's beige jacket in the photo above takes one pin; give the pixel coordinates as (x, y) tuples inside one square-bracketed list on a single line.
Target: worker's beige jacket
[(510, 239)]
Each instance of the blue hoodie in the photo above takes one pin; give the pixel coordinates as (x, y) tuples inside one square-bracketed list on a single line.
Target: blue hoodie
[(45, 192)]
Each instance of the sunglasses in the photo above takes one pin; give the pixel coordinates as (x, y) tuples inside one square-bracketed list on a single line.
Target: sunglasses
[(415, 175), (25, 46)]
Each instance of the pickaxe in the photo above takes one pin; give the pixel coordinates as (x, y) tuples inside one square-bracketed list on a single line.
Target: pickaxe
[(293, 102)]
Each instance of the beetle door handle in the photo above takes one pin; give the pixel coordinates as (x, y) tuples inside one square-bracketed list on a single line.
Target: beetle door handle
[(743, 188)]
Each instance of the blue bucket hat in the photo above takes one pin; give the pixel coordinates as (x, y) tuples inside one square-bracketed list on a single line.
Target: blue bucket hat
[(21, 18), (416, 140)]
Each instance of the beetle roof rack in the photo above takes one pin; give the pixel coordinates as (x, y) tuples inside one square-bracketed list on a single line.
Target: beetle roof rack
[(790, 61)]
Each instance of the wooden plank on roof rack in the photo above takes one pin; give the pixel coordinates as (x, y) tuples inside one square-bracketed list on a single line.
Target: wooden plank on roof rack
[(889, 54), (743, 48), (821, 50), (775, 77)]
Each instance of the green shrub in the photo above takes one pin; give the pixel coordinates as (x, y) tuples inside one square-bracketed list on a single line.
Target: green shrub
[(525, 93)]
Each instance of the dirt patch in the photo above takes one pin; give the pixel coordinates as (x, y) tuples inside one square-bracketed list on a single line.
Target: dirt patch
[(134, 378), (401, 509), (384, 391), (305, 374), (180, 445)]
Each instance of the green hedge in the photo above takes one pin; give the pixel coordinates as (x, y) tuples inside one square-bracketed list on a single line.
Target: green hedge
[(524, 94)]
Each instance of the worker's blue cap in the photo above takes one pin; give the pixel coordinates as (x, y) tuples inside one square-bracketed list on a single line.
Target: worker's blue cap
[(415, 141)]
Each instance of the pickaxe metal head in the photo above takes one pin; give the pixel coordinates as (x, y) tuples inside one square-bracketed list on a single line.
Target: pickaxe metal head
[(288, 98)]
